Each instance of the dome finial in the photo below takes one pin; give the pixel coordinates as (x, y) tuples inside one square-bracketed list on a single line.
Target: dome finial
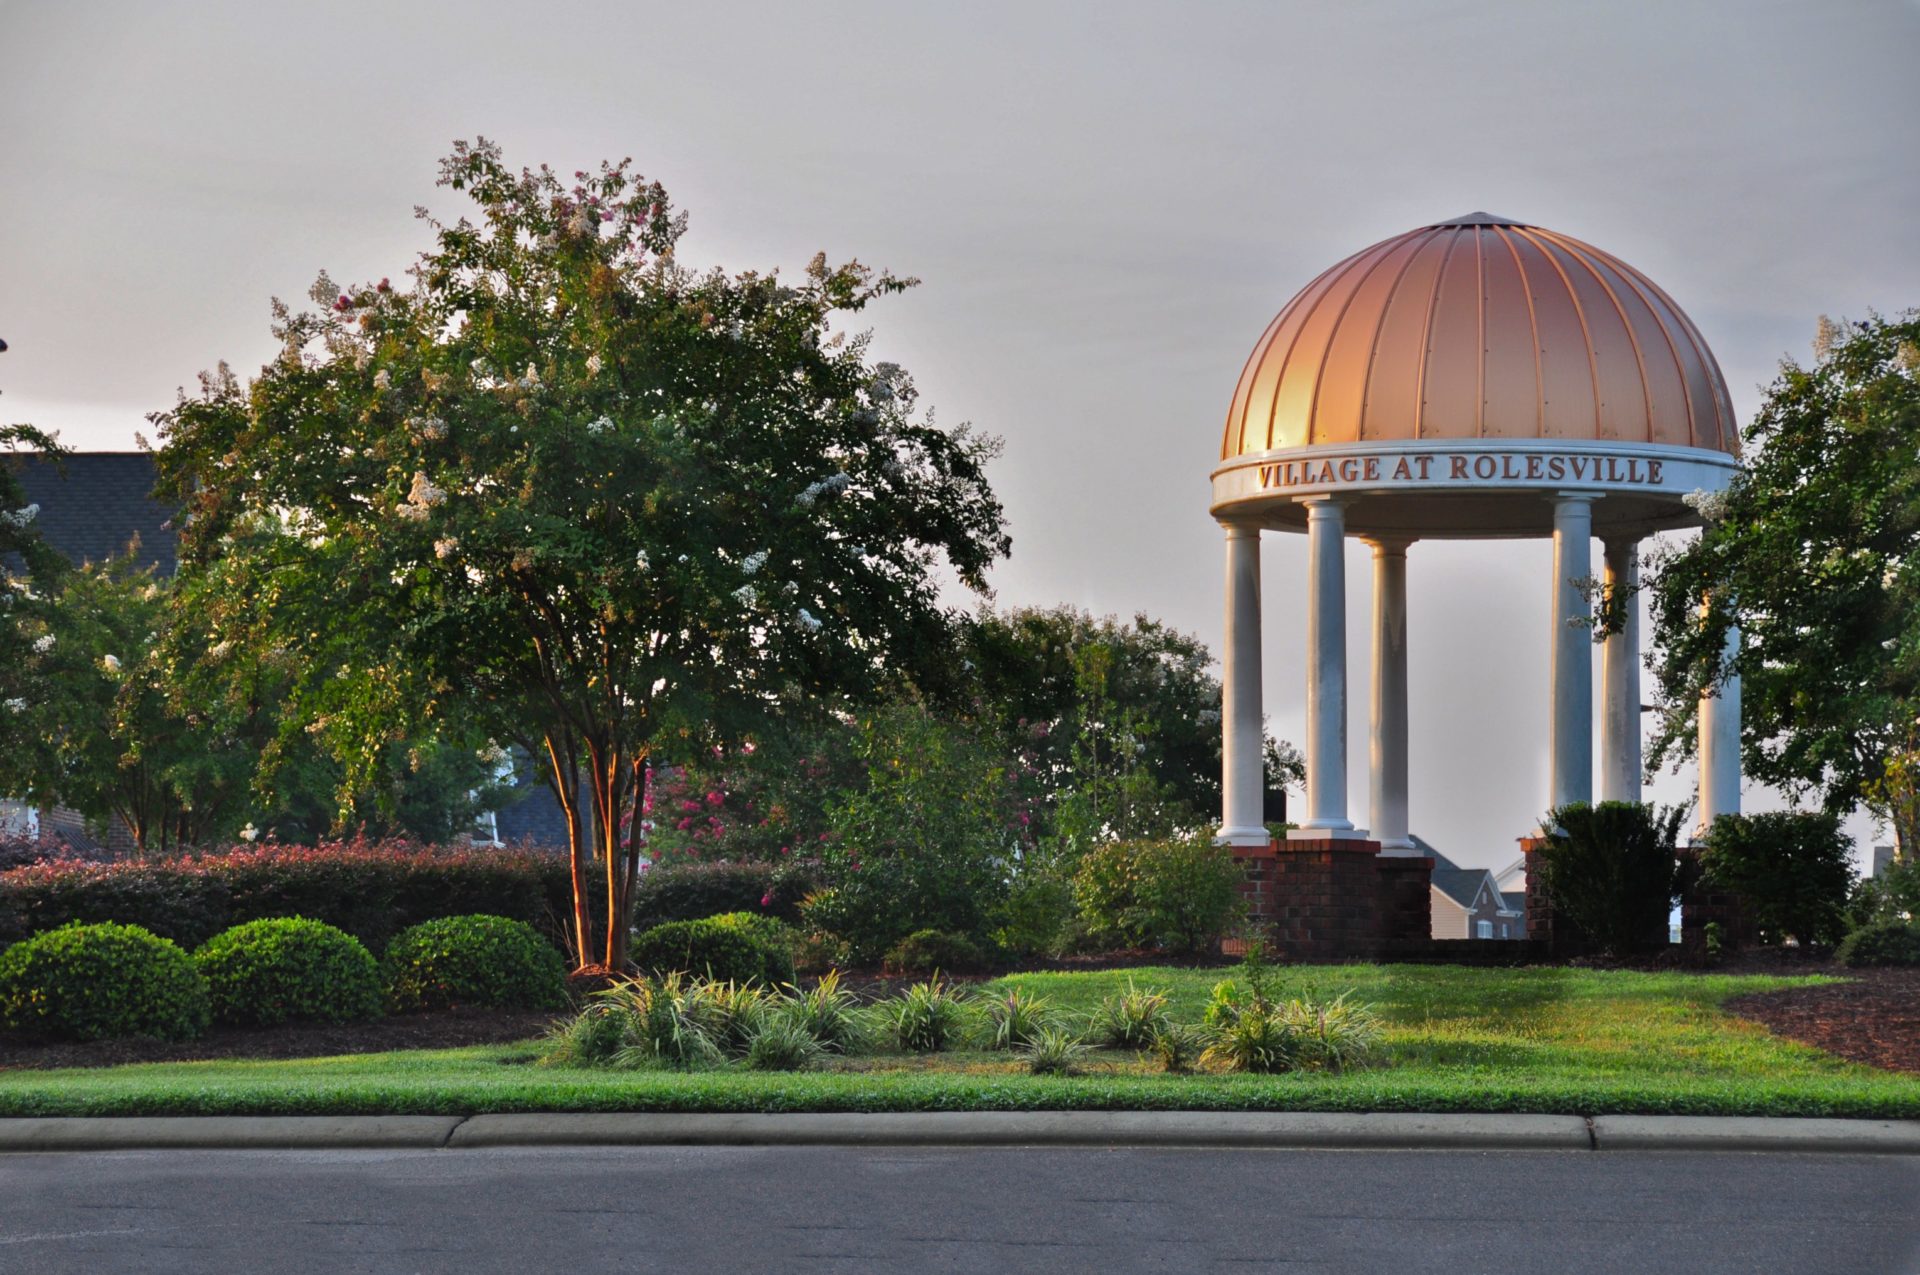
[(1481, 219)]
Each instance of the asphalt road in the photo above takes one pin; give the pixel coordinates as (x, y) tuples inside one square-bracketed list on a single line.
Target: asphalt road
[(969, 1209)]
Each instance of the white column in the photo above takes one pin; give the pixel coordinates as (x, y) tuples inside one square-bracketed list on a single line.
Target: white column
[(1387, 812), (1620, 680), (1720, 741), (1571, 739), (1326, 669), (1242, 778)]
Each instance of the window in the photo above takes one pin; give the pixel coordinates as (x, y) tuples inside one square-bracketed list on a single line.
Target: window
[(1486, 929)]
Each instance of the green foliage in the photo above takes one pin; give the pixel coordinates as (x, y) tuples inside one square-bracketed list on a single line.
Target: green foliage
[(1053, 1051), (1177, 1047), (96, 982), (1893, 895), (779, 1043), (780, 939), (1791, 869), (594, 1037), (927, 843), (826, 1011), (1130, 1019), (1814, 553), (1037, 917), (290, 968), (1016, 1018), (711, 949), (660, 1025), (690, 890), (1611, 870), (729, 1013), (599, 499), (1889, 943), (474, 960), (934, 952), (928, 1017), (371, 890), (1180, 895)]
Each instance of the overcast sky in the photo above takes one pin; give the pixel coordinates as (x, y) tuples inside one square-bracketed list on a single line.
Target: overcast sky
[(1106, 202)]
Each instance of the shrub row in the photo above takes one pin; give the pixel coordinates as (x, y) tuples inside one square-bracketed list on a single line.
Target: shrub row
[(372, 890), (693, 891), (93, 982)]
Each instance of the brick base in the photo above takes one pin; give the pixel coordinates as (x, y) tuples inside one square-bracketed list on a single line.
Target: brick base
[(1323, 900), (1701, 907)]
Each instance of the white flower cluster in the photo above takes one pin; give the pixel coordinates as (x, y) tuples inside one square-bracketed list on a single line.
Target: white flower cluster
[(219, 649), (20, 517), (1826, 335), (16, 705), (746, 595), (594, 365), (643, 562), (1906, 356), (43, 644), (111, 663), (383, 380), (825, 487), (431, 428), (600, 426), (1710, 505), (753, 562), (423, 496), (808, 620), (446, 548)]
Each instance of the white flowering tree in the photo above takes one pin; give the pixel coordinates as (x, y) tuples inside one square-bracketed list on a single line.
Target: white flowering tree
[(591, 496)]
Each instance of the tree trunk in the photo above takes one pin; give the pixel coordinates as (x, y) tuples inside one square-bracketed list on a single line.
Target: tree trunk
[(565, 777)]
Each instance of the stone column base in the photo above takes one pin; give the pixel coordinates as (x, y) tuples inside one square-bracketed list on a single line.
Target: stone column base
[(1321, 899)]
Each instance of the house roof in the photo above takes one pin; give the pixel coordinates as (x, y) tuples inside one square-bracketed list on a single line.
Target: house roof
[(1462, 885), (93, 504), (1514, 901)]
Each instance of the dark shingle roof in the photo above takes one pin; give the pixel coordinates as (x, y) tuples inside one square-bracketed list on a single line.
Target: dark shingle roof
[(1514, 900), (1462, 885), (93, 503)]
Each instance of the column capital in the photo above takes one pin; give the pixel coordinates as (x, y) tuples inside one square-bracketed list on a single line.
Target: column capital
[(1621, 542), (1575, 497), (1388, 546), (1238, 530), (1323, 500)]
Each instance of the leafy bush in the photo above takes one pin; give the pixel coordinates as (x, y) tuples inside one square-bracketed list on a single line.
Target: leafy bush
[(1610, 870), (1018, 1017), (1129, 1020), (592, 1038), (684, 890), (709, 948), (933, 952), (1177, 1047), (94, 982), (1053, 1052), (1889, 943), (1036, 918), (780, 939), (1179, 895), (372, 890), (267, 972), (1894, 895), (928, 1018), (925, 844), (474, 960), (1791, 869)]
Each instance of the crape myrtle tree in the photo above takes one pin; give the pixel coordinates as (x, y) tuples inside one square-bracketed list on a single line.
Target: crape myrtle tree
[(1814, 552), (593, 497)]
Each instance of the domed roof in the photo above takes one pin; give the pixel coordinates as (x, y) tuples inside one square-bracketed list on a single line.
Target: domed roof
[(1480, 328)]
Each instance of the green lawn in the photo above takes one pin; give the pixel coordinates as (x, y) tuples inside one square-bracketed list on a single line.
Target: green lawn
[(1549, 1040)]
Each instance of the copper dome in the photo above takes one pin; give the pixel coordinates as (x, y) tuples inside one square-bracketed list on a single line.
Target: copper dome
[(1480, 328)]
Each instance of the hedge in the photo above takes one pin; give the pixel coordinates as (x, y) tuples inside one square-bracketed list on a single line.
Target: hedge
[(372, 890), (683, 890)]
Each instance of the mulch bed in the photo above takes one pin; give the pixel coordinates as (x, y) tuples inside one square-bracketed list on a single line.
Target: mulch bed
[(445, 1030), (1873, 1018)]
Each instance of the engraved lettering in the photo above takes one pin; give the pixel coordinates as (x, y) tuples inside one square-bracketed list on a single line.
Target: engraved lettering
[(1556, 468), (1533, 467), (1373, 469), (1400, 469), (1459, 464)]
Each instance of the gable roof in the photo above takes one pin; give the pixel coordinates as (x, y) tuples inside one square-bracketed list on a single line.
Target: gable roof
[(92, 504), (1462, 885)]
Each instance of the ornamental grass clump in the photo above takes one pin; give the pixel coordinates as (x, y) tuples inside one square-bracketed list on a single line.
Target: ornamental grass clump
[(729, 1013), (780, 1042), (659, 1028), (1129, 1020), (927, 1018), (1018, 1017), (1053, 1051), (592, 1038), (1177, 1047), (828, 1013)]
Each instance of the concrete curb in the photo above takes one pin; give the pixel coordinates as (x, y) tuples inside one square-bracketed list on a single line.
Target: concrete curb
[(127, 1133), (1030, 1128), (1754, 1133), (1250, 1129)]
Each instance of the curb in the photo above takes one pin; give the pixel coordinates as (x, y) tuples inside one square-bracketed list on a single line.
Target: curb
[(1275, 1130)]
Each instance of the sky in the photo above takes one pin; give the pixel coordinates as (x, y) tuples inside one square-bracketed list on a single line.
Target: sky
[(1105, 202)]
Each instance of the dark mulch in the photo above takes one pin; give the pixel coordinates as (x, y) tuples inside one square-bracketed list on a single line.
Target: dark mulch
[(444, 1030), (1873, 1018)]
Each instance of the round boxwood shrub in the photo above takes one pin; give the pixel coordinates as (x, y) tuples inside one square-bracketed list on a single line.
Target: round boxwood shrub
[(474, 960), (712, 949), (779, 938), (936, 952), (93, 982), (267, 972), (1890, 943)]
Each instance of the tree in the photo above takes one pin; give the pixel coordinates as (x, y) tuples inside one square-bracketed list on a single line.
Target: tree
[(588, 496), (1814, 552)]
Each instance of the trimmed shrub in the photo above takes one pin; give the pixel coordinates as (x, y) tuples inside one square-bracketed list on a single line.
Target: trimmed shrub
[(1792, 870), (372, 890), (95, 982), (1611, 870), (712, 950), (691, 891), (1889, 943), (1178, 895), (273, 971), (934, 952), (780, 939), (474, 960)]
